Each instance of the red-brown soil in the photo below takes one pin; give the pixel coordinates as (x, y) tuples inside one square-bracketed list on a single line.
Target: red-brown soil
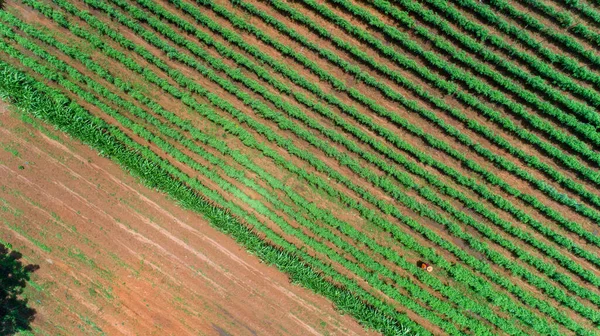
[(118, 258)]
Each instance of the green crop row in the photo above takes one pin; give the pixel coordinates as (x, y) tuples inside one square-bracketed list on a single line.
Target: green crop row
[(413, 106), (478, 48), (52, 106), (415, 292), (484, 35), (564, 19), (562, 62), (54, 76), (336, 138), (568, 43), (557, 274), (227, 107)]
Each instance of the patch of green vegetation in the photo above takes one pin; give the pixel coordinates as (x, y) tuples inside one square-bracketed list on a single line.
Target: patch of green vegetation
[(56, 217), (79, 255), (12, 148), (27, 236), (20, 130), (35, 285), (7, 244), (81, 45), (142, 87), (121, 263), (7, 208), (19, 194)]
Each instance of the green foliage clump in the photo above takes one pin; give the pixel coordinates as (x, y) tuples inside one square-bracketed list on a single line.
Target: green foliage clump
[(15, 315)]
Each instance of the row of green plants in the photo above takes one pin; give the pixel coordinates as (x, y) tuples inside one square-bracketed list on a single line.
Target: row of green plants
[(54, 76), (336, 138), (55, 108), (564, 19), (303, 204), (243, 118), (536, 84), (568, 43), (486, 36), (345, 160), (584, 10), (481, 49), (562, 62), (266, 131), (471, 81), (450, 88), (500, 161), (499, 201)]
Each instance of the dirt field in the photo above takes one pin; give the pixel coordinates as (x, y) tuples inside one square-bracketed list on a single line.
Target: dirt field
[(117, 258)]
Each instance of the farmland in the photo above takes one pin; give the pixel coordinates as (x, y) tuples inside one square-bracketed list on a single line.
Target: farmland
[(344, 142)]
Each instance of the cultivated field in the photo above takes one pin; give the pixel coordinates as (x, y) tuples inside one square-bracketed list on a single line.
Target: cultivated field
[(346, 142), (117, 258)]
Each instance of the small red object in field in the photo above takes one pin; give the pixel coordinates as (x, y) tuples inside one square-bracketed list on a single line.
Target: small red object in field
[(426, 267)]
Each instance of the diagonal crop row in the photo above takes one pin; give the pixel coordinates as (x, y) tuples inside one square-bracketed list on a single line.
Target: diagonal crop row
[(336, 138), (536, 83), (584, 10), (172, 151), (484, 35), (412, 106), (563, 62), (566, 21), (246, 119), (303, 203), (52, 106)]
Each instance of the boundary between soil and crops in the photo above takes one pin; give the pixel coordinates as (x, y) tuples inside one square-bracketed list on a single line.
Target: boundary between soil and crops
[(37, 99)]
